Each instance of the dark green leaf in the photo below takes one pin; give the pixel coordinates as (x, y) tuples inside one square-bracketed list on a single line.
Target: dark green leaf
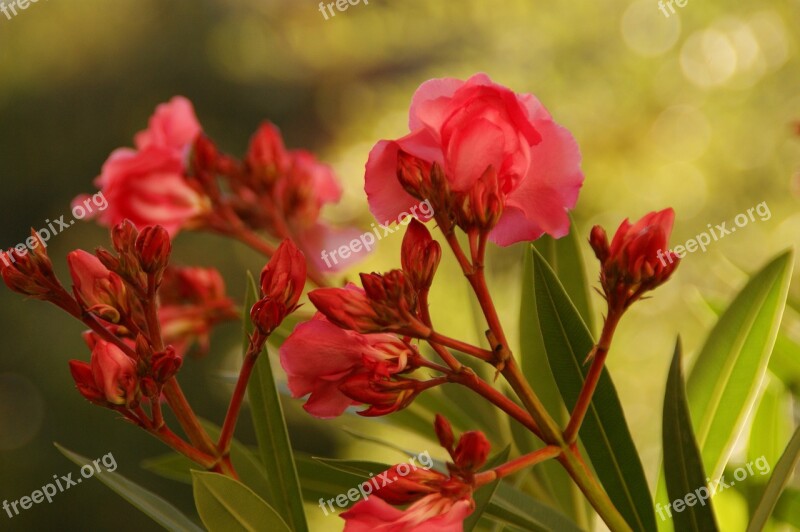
[(604, 432), (226, 505), (271, 432), (683, 463), (161, 511), (512, 505)]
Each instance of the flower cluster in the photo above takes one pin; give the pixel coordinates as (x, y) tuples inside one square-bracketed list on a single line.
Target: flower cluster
[(493, 165), (177, 178)]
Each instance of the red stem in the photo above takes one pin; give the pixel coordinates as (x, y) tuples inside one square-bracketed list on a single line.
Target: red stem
[(598, 356), (235, 406), (527, 460), (458, 345)]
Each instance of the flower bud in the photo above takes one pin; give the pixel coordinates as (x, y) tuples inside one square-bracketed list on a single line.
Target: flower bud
[(267, 314), (123, 237), (420, 255), (599, 242), (481, 206), (165, 364), (284, 276), (98, 290), (267, 157), (472, 451), (153, 248), (113, 376), (444, 432)]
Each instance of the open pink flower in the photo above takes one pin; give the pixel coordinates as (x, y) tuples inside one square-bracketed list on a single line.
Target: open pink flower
[(320, 357), (173, 125), (433, 512), (467, 127), (148, 187)]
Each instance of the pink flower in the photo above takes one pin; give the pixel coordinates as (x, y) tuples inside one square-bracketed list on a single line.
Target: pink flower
[(148, 188), (435, 512), (173, 125), (319, 358), (467, 127)]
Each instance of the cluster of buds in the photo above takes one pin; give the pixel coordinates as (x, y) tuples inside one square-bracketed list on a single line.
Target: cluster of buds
[(478, 207), (438, 501), (637, 260)]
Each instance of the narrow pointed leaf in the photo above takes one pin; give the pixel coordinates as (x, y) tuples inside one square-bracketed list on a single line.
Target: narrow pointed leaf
[(161, 511), (604, 432), (723, 385), (780, 477), (272, 434), (512, 505), (227, 505), (683, 463)]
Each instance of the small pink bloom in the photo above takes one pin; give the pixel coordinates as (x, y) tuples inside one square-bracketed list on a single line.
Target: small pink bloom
[(99, 290), (148, 187), (319, 357), (467, 127), (434, 512), (192, 301), (173, 126)]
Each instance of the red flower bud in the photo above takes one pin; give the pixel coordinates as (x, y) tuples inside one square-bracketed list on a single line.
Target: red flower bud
[(114, 374), (98, 290), (444, 432), (123, 237), (420, 255), (153, 248), (165, 364), (267, 314), (481, 206), (472, 451), (84, 380), (284, 276), (637, 259), (267, 157)]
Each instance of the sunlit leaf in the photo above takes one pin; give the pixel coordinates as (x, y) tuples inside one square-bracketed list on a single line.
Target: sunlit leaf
[(723, 385), (780, 476)]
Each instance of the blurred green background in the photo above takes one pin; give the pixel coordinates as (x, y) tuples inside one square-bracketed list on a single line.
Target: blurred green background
[(692, 111)]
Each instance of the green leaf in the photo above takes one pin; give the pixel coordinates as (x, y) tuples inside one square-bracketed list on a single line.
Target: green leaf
[(533, 355), (604, 431), (484, 495), (359, 468), (723, 385), (173, 466), (271, 432), (772, 425), (510, 505), (683, 463), (227, 505), (161, 511), (780, 477)]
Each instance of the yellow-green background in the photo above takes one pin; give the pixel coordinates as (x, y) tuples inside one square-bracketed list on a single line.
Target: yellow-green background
[(693, 111)]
